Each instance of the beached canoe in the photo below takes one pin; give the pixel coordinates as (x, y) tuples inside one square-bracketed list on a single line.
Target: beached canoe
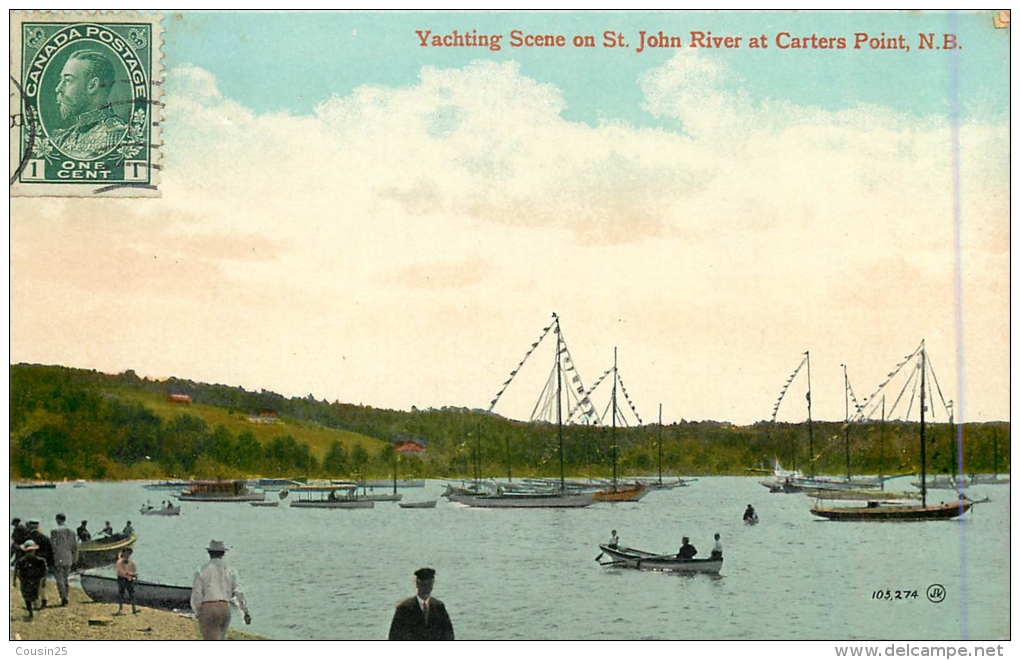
[(147, 594), (101, 552)]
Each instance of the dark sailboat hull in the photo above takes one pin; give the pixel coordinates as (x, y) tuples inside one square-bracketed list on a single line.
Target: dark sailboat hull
[(893, 513)]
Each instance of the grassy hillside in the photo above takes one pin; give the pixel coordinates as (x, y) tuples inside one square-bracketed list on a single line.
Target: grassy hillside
[(72, 423)]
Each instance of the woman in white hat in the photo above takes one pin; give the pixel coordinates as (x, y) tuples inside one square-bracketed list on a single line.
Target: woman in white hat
[(215, 585)]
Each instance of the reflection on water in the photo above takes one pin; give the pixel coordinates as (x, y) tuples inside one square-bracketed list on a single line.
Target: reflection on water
[(336, 574)]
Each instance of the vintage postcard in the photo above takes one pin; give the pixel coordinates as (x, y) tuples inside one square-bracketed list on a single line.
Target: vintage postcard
[(689, 326)]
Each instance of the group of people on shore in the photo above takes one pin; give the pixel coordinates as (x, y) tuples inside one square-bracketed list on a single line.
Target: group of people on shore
[(36, 556), (216, 585)]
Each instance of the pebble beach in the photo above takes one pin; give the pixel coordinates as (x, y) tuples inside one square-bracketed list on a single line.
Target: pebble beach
[(83, 619)]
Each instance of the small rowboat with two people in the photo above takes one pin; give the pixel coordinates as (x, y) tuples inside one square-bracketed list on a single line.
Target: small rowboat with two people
[(166, 510), (147, 594), (621, 557), (101, 552)]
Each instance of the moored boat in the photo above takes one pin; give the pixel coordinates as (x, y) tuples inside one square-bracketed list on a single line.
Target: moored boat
[(426, 504), (329, 497), (646, 561), (621, 493), (35, 484), (165, 510), (235, 490), (266, 503), (875, 510), (101, 552), (167, 485), (147, 594)]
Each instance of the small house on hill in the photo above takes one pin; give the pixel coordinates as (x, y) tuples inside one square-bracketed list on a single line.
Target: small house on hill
[(263, 416), (178, 398), (408, 446)]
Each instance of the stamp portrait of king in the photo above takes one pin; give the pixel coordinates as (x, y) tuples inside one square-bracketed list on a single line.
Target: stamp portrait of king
[(83, 96)]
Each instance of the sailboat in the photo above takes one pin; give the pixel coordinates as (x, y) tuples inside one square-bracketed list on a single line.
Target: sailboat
[(794, 481), (504, 497), (995, 479), (617, 492), (878, 511)]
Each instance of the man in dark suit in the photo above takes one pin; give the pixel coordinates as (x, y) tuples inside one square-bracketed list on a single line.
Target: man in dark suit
[(422, 617)]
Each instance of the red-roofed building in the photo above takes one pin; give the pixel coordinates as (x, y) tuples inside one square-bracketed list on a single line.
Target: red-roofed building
[(408, 446), (178, 398)]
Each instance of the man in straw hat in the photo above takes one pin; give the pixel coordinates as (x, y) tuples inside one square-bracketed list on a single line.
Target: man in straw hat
[(422, 617), (31, 570), (215, 586)]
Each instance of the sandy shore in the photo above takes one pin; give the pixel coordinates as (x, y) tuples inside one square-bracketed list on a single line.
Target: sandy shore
[(83, 619)]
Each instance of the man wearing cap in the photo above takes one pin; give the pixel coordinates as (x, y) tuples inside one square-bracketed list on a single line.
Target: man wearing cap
[(65, 544), (215, 586), (421, 617), (31, 570)]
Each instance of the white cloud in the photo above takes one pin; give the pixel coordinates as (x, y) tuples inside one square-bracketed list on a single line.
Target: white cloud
[(400, 234)]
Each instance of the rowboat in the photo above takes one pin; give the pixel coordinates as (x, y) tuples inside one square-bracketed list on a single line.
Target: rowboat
[(166, 510), (646, 561), (147, 594), (101, 552), (427, 504)]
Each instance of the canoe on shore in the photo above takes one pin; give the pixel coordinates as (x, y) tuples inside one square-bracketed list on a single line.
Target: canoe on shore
[(101, 552), (147, 594)]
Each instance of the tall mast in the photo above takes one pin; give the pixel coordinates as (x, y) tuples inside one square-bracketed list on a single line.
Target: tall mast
[(478, 453), (924, 456), (846, 423), (559, 403), (952, 442), (660, 444), (810, 429), (613, 436), (509, 476)]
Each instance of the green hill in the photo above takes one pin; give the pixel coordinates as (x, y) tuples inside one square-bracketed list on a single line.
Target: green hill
[(73, 423)]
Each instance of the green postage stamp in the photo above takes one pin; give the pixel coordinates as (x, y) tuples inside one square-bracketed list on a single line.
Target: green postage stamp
[(85, 104)]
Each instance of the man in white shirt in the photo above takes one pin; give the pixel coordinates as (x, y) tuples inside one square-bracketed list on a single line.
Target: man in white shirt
[(215, 585)]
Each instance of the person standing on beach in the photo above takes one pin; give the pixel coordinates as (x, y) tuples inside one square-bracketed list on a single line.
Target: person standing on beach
[(31, 570), (65, 544), (45, 552), (421, 617), (215, 585), (127, 573), (18, 536)]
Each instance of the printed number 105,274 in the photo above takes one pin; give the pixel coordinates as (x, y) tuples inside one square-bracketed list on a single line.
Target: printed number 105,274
[(897, 594)]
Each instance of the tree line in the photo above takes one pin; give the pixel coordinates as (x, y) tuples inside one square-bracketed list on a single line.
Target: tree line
[(72, 423)]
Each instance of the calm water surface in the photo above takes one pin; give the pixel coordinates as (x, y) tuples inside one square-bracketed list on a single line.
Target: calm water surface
[(312, 574)]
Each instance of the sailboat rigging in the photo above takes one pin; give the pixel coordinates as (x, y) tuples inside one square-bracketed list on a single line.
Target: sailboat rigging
[(508, 496), (875, 510)]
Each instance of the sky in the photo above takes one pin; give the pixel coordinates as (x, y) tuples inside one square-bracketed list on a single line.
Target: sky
[(350, 215)]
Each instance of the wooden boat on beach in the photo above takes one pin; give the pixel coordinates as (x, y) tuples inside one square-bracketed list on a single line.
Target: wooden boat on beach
[(101, 552), (646, 561), (147, 594)]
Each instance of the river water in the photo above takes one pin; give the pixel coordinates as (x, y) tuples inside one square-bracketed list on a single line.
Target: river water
[(531, 574)]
